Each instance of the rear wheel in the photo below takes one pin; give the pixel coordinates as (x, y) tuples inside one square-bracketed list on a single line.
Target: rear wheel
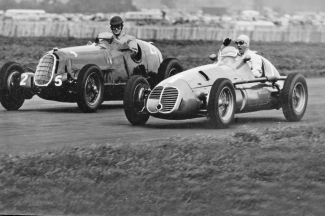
[(11, 94), (169, 67), (135, 95), (221, 106), (294, 97), (90, 88)]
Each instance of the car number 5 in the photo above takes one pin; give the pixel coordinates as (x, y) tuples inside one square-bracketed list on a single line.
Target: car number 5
[(58, 80)]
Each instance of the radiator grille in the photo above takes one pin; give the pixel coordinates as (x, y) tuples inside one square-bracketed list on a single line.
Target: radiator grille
[(45, 70), (155, 94), (168, 99)]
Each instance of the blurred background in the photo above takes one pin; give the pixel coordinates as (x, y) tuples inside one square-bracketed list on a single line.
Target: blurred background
[(281, 17), (172, 12)]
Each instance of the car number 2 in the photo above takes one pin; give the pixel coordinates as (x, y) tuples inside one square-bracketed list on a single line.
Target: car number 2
[(58, 80), (23, 79)]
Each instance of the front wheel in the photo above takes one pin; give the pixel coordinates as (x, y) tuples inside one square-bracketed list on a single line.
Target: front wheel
[(294, 97), (90, 88), (221, 105), (11, 94), (136, 91)]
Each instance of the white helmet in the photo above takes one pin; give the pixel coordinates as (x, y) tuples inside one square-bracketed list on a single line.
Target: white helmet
[(244, 38)]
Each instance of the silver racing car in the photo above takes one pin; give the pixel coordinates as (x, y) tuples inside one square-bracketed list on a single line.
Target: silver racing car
[(217, 91)]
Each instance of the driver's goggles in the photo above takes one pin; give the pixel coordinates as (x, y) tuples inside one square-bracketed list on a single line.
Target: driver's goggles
[(117, 27), (239, 42)]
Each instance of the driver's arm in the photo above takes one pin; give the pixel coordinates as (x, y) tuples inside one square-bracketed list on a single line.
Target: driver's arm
[(256, 65), (225, 43), (133, 46)]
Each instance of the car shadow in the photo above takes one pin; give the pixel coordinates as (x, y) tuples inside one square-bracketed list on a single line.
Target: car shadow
[(180, 124), (203, 123), (70, 109), (111, 106), (245, 120)]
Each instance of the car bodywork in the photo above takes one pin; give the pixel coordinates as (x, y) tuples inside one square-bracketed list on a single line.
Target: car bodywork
[(87, 74), (190, 94), (57, 71), (193, 87)]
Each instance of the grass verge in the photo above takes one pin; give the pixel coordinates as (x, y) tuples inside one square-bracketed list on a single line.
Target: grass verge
[(305, 58), (252, 172)]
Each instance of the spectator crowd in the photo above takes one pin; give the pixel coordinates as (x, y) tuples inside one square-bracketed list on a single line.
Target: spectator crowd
[(267, 18)]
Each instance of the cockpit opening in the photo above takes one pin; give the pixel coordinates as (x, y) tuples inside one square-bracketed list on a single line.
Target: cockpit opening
[(138, 57)]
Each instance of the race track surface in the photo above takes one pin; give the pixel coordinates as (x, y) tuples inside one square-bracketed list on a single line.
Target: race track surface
[(44, 125)]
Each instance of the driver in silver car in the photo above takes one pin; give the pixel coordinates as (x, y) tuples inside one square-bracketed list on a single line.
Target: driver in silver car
[(119, 35), (255, 62)]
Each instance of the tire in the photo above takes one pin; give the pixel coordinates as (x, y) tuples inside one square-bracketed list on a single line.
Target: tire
[(294, 97), (134, 100), (169, 67), (221, 105), (90, 88), (11, 94)]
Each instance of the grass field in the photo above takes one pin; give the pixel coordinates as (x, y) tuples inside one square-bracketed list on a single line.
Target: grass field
[(271, 171), (308, 59), (252, 172)]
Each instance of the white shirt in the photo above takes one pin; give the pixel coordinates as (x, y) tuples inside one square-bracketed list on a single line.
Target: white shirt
[(255, 63), (130, 40)]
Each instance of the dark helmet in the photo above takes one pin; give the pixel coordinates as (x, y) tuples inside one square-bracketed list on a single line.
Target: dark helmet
[(116, 20)]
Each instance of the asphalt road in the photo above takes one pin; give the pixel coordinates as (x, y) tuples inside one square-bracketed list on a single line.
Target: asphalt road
[(43, 125)]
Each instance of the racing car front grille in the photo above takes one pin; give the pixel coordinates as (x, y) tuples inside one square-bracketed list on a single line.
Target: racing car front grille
[(168, 99), (45, 70), (155, 94)]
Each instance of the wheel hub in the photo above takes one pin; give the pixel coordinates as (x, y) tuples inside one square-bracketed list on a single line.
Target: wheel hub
[(139, 99), (298, 97), (13, 85), (172, 72), (92, 91), (225, 103)]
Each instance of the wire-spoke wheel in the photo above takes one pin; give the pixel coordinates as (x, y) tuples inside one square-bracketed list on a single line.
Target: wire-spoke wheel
[(294, 97), (90, 88), (221, 106), (299, 97), (225, 103)]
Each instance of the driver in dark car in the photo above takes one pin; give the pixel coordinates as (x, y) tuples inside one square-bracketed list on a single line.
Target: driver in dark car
[(119, 35), (255, 62)]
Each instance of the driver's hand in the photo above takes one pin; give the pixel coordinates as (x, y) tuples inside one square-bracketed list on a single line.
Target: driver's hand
[(133, 52), (226, 41)]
